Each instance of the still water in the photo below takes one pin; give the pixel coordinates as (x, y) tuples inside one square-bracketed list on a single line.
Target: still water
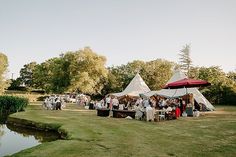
[(14, 139)]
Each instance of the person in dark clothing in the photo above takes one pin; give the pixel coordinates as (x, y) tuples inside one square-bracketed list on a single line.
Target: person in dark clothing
[(181, 106), (58, 104)]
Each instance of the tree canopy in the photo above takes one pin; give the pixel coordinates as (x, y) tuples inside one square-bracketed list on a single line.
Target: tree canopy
[(80, 71), (3, 69), (155, 73), (185, 60), (87, 72), (26, 74), (84, 71)]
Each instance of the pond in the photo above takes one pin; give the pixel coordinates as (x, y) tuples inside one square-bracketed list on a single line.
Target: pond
[(14, 139)]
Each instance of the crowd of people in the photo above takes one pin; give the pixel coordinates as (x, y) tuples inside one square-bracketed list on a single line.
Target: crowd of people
[(58, 102), (146, 108), (112, 103), (54, 102), (149, 107)]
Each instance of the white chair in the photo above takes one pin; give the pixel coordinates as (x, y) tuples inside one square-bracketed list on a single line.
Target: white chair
[(121, 106), (138, 115), (161, 115)]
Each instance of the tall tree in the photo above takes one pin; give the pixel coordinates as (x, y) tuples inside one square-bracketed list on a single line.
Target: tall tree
[(185, 60), (42, 76), (3, 69), (113, 83), (87, 72), (157, 72), (80, 71), (26, 74), (15, 84), (222, 89), (52, 75), (60, 75), (232, 75)]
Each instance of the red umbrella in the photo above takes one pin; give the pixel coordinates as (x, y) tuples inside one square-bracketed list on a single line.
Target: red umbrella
[(187, 83)]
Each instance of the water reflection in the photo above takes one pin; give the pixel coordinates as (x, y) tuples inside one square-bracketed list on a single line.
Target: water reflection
[(41, 136), (12, 142), (14, 139), (1, 133), (3, 118)]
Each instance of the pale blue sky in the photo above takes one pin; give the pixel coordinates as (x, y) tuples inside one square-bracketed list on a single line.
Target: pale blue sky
[(122, 30)]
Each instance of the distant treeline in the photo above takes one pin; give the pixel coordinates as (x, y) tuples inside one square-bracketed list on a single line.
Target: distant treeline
[(84, 71)]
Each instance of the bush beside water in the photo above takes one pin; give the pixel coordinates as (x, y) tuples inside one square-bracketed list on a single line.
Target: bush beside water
[(12, 104)]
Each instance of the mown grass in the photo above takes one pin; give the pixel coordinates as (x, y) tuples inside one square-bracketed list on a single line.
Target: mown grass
[(212, 134)]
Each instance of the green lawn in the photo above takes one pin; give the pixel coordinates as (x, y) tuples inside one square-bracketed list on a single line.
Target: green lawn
[(212, 134)]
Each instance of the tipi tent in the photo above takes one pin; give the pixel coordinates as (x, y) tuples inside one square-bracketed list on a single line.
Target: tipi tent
[(173, 93), (135, 87), (178, 75)]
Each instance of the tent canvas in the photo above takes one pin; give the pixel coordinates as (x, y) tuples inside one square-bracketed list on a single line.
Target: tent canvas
[(135, 87), (178, 75), (174, 93)]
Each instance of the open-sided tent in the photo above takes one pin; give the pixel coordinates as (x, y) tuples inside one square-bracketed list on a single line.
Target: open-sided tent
[(135, 87), (174, 93)]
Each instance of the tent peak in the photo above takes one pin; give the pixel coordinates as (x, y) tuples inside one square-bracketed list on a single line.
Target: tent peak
[(136, 86), (178, 75)]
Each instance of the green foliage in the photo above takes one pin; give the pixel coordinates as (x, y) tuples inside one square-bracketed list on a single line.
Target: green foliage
[(112, 84), (87, 72), (11, 104), (60, 75), (84, 71), (222, 89), (52, 75), (185, 60), (232, 75), (81, 71), (16, 85), (26, 74), (3, 69), (155, 73), (37, 91), (41, 76), (57, 79), (120, 76)]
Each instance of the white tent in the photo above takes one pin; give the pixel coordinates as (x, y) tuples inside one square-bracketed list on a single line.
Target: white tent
[(178, 75), (135, 87), (174, 93)]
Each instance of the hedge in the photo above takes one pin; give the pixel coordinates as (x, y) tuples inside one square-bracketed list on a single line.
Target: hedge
[(12, 104)]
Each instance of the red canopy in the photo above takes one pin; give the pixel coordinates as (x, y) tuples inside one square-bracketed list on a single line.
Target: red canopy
[(186, 83)]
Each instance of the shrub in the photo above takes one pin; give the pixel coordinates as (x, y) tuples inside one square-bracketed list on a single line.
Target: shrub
[(42, 98), (11, 104), (38, 91)]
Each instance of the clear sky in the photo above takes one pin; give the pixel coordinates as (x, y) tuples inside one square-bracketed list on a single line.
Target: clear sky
[(122, 30)]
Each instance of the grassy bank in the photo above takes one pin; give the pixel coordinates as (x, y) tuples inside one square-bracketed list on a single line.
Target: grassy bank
[(212, 134)]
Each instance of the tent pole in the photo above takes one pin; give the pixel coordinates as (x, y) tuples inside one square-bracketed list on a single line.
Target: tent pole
[(187, 95)]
